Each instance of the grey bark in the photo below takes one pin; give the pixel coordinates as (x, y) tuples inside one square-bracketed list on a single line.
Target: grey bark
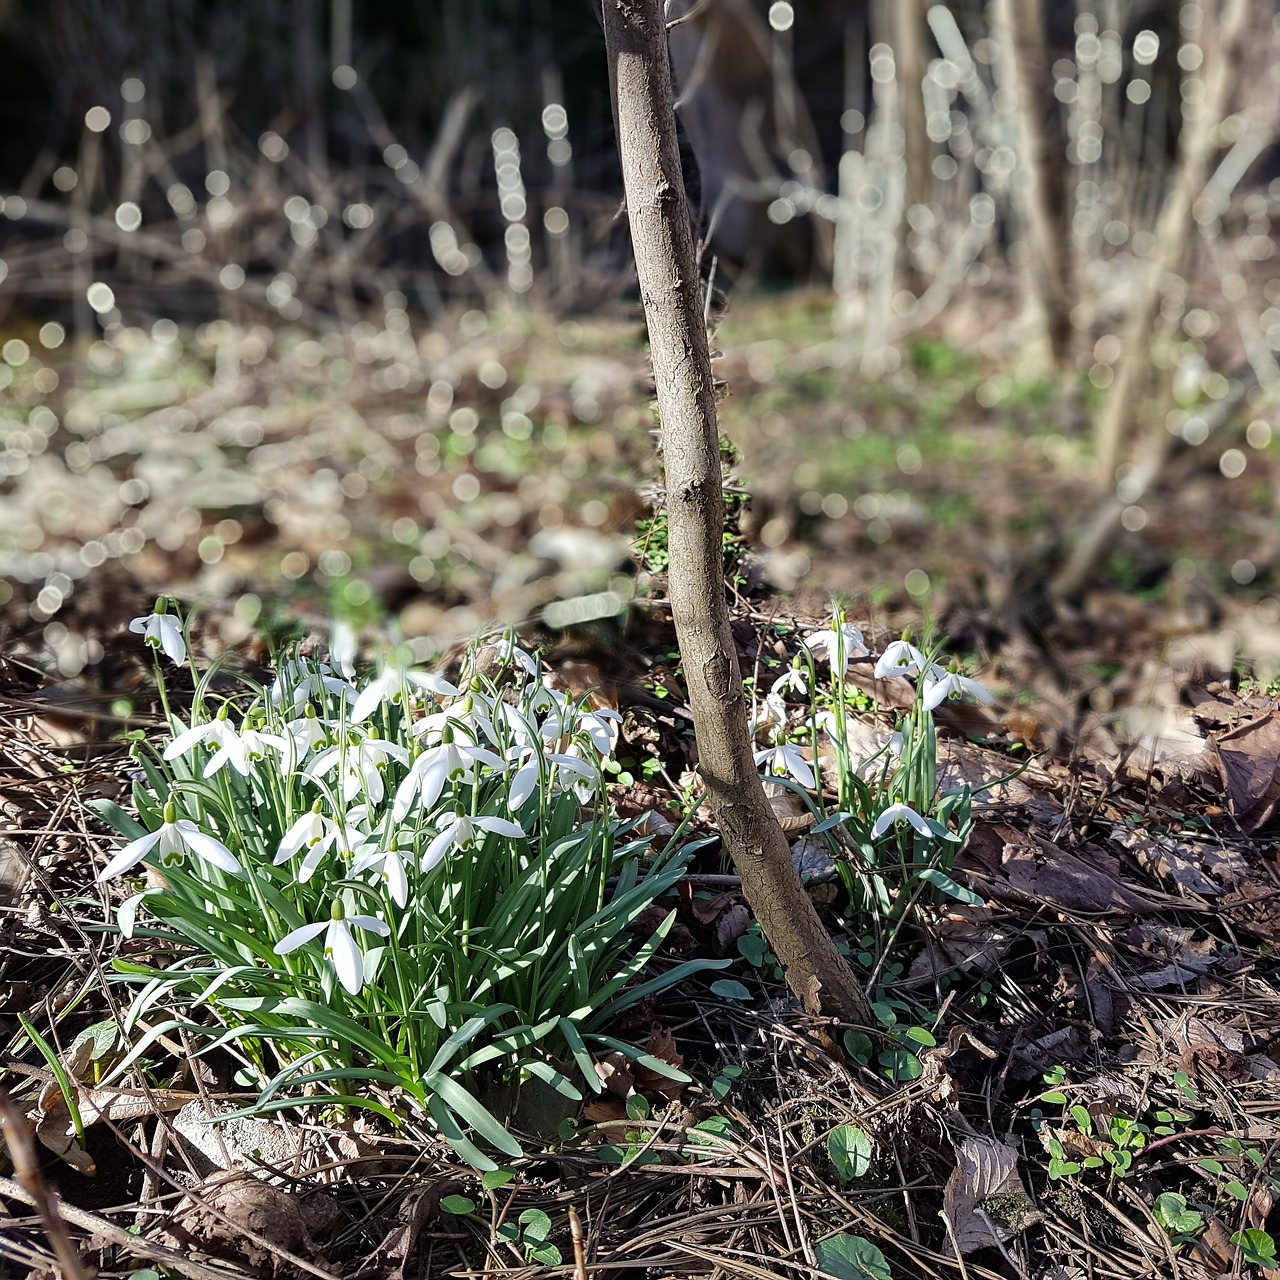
[(671, 294), (1172, 232), (1038, 187), (907, 32)]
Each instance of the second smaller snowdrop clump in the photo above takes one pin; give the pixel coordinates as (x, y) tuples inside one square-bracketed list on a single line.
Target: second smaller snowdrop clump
[(395, 893), (898, 833)]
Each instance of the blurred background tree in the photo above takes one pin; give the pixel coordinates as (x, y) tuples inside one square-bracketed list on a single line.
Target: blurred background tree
[(1082, 193)]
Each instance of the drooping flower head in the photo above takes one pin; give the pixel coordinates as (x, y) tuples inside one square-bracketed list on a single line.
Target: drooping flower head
[(837, 643), (339, 945), (171, 841), (941, 685), (162, 631)]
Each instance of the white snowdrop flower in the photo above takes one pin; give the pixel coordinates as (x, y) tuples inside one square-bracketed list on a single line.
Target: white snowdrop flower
[(172, 841), (900, 659), (450, 761), (829, 723), (786, 759), (390, 865), (317, 833), (838, 643), (509, 651), (897, 814), (951, 685), (343, 647), (161, 630), (359, 765), (339, 945), (794, 680), (298, 683), (302, 735), (770, 713), (390, 687), (601, 727), (472, 714), (459, 831)]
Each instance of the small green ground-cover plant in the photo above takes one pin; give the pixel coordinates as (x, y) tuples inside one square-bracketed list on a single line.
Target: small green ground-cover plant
[(389, 893), (1098, 1141)]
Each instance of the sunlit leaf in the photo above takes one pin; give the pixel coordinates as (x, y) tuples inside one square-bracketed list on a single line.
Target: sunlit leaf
[(852, 1258)]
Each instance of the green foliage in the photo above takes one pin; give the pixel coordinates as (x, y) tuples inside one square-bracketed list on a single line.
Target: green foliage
[(724, 1082), (1171, 1212), (850, 1257), (652, 541), (501, 885), (1223, 1185), (850, 1150)]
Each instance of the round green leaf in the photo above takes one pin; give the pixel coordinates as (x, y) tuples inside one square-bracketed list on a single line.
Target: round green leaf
[(728, 989), (536, 1226), (852, 1258), (458, 1204), (850, 1150)]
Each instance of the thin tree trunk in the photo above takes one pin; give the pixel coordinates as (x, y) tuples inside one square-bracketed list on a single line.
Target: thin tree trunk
[(907, 36), (670, 291), (1171, 234), (1037, 184)]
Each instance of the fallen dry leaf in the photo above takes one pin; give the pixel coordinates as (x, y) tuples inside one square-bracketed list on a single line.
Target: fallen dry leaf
[(1004, 864), (394, 1256), (984, 1195), (1178, 861), (967, 939), (230, 1214), (1249, 760)]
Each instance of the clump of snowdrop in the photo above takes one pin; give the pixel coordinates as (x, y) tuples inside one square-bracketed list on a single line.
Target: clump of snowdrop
[(452, 845), (900, 832)]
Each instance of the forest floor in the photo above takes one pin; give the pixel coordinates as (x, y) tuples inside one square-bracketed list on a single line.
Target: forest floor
[(1076, 1078)]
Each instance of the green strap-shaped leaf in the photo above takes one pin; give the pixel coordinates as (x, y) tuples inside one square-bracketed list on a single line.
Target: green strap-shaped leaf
[(472, 1112)]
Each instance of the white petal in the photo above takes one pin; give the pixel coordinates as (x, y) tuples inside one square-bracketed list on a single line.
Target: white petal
[(292, 941), (405, 793), (372, 697), (898, 659), (371, 923), (206, 847), (524, 782), (433, 780), (185, 741), (324, 762), (316, 855), (482, 754), (342, 649), (441, 845), (976, 690), (397, 881), (500, 827), (341, 948), (896, 813), (432, 683), (798, 767), (171, 640), (297, 836), (130, 855), (571, 764), (937, 693)]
